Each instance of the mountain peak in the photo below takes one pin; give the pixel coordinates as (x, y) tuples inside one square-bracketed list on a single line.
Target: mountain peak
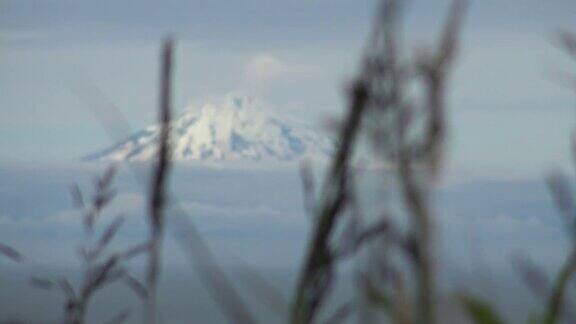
[(236, 127), (239, 100)]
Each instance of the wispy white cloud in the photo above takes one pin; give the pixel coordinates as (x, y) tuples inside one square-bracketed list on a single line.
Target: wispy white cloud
[(213, 210), (263, 68), (127, 204)]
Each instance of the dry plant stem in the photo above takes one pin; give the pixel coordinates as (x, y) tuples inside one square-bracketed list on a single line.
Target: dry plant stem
[(211, 275), (434, 72), (158, 189), (422, 225), (99, 270), (564, 201), (383, 90), (555, 303), (567, 208), (10, 253), (317, 272)]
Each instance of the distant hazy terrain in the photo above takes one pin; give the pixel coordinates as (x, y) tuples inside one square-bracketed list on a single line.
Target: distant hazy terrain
[(256, 217)]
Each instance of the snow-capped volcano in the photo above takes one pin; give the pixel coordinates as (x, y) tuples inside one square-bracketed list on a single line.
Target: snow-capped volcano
[(234, 128)]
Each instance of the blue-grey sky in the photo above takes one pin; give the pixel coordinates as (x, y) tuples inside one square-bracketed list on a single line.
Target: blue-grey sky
[(508, 116)]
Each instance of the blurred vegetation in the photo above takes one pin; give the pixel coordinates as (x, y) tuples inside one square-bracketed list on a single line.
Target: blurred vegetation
[(398, 102)]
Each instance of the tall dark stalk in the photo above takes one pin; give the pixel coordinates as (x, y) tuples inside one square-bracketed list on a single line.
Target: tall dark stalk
[(408, 133), (317, 272), (158, 188)]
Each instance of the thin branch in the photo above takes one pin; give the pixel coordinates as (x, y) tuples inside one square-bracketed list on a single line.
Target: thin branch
[(158, 189)]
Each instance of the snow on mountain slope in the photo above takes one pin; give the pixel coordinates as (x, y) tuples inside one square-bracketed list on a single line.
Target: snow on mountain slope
[(236, 128)]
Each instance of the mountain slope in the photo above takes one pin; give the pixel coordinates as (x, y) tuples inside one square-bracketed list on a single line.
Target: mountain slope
[(236, 128)]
